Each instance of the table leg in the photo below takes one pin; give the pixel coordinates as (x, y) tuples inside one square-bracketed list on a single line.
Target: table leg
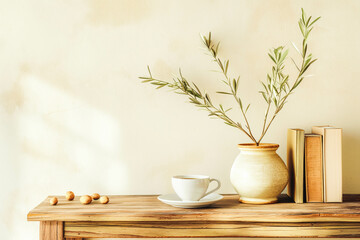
[(51, 230)]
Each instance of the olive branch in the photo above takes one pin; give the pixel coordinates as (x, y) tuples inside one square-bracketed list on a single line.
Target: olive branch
[(276, 87)]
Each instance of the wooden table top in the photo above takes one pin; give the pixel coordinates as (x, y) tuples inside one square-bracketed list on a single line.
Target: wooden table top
[(147, 208)]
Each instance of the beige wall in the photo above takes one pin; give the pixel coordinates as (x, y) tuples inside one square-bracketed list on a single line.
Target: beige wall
[(75, 116)]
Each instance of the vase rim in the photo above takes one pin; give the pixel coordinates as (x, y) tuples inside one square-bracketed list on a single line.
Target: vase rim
[(267, 146)]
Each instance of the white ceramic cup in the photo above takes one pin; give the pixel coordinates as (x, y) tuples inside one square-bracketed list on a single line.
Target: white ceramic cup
[(193, 187)]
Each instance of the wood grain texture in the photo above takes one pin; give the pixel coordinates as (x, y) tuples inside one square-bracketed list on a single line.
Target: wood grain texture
[(146, 217), (210, 229), (51, 230), (149, 209)]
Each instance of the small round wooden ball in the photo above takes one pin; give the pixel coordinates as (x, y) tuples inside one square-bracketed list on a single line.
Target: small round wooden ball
[(95, 196), (86, 199), (53, 201), (70, 195), (104, 199)]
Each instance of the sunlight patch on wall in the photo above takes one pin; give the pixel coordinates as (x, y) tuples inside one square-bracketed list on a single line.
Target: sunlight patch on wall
[(66, 135)]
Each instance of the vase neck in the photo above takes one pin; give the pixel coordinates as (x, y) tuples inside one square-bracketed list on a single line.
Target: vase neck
[(261, 149)]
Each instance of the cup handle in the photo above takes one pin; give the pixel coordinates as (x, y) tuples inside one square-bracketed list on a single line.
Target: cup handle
[(219, 185)]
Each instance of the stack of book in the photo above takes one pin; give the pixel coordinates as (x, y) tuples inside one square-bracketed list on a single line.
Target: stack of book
[(314, 161)]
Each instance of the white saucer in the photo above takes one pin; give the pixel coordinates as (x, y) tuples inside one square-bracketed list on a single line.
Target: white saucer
[(175, 201)]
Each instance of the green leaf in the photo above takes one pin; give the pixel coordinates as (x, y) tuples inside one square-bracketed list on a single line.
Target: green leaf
[(247, 108), (301, 79), (221, 107), (283, 84), (301, 28), (225, 82), (314, 21), (264, 96), (298, 82), (268, 78), (286, 79), (306, 67), (240, 103), (287, 84), (213, 52), (272, 58), (284, 55), (217, 48), (207, 98), (303, 16), (160, 86), (230, 124), (226, 66), (276, 90), (234, 85), (226, 93), (265, 87), (307, 61), (198, 90), (277, 50), (149, 71), (220, 64), (308, 32), (237, 83), (307, 22), (180, 73), (305, 50), (309, 65)]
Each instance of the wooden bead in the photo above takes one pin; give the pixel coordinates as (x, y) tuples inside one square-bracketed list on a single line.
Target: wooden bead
[(95, 196), (86, 199), (104, 199), (70, 195), (53, 201)]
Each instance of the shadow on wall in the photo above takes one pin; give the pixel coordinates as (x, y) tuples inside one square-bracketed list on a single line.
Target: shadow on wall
[(55, 142), (351, 162)]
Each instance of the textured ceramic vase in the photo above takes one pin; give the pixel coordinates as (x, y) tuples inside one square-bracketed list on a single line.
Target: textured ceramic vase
[(258, 174)]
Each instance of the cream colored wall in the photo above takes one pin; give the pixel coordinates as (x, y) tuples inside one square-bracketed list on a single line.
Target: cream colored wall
[(75, 116)]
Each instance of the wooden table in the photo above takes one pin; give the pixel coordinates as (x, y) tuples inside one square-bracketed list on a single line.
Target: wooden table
[(145, 216)]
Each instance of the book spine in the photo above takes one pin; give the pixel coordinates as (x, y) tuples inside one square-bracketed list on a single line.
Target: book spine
[(313, 168), (300, 166), (333, 165)]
